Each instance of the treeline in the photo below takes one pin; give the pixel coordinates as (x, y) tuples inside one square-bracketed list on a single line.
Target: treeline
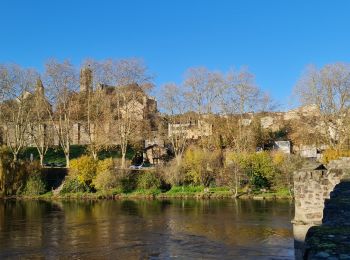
[(41, 109), (221, 100), (234, 105), (224, 109)]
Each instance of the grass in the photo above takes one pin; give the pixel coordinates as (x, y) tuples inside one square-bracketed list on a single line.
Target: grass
[(156, 193), (185, 189), (174, 192), (144, 192), (56, 156), (279, 193)]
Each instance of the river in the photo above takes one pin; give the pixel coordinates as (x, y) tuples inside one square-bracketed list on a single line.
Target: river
[(147, 229)]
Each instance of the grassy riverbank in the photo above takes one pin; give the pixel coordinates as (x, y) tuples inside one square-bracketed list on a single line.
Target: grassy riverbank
[(177, 192), (256, 175)]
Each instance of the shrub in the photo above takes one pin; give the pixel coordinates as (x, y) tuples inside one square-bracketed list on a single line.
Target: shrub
[(83, 169), (73, 185), (118, 162), (106, 177), (105, 165), (285, 166), (148, 180), (14, 175), (258, 167), (331, 154), (172, 173), (278, 158), (35, 185), (128, 181), (201, 166)]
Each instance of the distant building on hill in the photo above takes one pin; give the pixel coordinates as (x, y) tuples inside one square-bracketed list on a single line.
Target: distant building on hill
[(140, 107), (283, 146), (191, 130)]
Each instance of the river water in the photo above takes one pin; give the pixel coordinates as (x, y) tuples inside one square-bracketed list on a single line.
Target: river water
[(154, 229)]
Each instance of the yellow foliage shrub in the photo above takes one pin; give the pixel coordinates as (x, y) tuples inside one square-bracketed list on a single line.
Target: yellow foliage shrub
[(106, 177), (200, 165), (104, 166), (278, 157), (83, 168), (332, 154)]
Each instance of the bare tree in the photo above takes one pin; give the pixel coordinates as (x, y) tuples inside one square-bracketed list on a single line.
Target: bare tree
[(239, 97), (16, 84), (122, 72), (127, 119), (173, 103), (123, 85), (97, 119), (328, 89), (234, 177), (62, 82), (40, 127), (202, 90), (91, 104)]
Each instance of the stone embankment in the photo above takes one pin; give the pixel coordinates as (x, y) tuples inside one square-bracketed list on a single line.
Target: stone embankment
[(331, 240), (322, 211)]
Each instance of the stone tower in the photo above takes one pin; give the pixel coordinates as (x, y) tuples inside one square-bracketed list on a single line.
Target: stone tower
[(85, 79), (39, 88)]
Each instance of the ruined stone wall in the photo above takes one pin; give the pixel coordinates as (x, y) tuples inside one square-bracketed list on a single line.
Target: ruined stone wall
[(312, 189)]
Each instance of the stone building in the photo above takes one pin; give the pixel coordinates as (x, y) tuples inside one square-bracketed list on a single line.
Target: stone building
[(141, 106), (12, 127), (191, 130), (283, 146)]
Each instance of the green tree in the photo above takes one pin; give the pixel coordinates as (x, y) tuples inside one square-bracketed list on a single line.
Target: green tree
[(258, 167)]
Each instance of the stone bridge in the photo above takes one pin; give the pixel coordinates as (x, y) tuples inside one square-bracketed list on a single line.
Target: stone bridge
[(322, 208)]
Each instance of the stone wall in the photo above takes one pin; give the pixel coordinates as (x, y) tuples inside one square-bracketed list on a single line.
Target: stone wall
[(331, 240), (312, 188)]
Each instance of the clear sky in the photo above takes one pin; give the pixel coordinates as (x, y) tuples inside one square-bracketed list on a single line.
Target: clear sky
[(276, 40)]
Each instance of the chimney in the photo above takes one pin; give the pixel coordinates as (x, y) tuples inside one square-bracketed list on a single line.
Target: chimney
[(85, 79)]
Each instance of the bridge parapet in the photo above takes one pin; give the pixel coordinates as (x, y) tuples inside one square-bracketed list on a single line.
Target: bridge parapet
[(311, 189), (313, 186)]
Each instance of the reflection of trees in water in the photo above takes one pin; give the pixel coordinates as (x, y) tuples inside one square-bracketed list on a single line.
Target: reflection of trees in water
[(119, 224), (28, 221), (241, 221), (2, 213), (132, 228)]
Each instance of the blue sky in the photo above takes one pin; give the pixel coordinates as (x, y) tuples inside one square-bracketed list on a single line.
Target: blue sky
[(276, 40)]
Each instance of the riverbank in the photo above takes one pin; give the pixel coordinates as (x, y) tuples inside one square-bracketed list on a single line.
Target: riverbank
[(176, 193)]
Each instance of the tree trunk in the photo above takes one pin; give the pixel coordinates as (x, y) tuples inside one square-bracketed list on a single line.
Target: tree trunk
[(2, 179), (94, 155), (15, 157), (41, 159), (67, 160), (178, 159), (123, 159)]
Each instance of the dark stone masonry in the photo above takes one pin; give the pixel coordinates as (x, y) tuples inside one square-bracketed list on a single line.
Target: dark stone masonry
[(322, 211)]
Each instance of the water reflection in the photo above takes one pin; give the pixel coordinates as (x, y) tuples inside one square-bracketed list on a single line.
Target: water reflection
[(182, 229)]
